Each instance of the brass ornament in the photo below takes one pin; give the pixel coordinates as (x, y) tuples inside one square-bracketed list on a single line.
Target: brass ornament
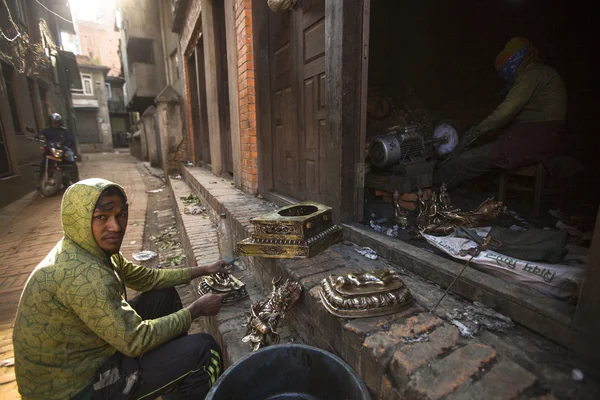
[(365, 294), (264, 316), (223, 283), (297, 231), (437, 216)]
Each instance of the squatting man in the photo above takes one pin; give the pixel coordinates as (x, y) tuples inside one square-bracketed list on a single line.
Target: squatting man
[(77, 336)]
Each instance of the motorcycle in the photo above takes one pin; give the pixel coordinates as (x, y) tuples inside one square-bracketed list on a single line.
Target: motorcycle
[(58, 166)]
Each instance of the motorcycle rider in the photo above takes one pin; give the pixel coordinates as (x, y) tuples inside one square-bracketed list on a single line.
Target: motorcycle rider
[(59, 134)]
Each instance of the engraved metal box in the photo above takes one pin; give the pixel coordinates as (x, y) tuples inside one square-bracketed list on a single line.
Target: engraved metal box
[(297, 231)]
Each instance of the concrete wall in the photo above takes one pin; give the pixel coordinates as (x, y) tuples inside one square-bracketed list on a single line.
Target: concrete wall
[(171, 45), (102, 114), (149, 133), (171, 125), (21, 152), (101, 44), (141, 19)]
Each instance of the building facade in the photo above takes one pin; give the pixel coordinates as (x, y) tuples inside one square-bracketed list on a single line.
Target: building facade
[(36, 78)]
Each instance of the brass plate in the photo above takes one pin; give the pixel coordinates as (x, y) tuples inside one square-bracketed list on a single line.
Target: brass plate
[(370, 289), (371, 312), (295, 249), (231, 296)]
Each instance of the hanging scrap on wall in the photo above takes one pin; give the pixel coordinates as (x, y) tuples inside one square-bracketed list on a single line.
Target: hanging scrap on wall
[(278, 5), (365, 294), (297, 231)]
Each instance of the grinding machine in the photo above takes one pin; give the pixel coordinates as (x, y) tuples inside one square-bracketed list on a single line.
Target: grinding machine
[(403, 160)]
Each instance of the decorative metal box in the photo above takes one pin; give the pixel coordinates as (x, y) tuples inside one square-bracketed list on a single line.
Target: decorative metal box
[(223, 283), (365, 294), (297, 231)]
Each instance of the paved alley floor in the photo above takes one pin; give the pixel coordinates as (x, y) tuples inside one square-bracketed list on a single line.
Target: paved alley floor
[(30, 229)]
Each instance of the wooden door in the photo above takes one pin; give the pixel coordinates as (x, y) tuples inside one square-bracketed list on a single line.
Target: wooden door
[(195, 106), (297, 53)]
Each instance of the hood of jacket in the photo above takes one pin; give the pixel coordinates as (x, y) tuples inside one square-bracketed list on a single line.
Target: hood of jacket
[(77, 210)]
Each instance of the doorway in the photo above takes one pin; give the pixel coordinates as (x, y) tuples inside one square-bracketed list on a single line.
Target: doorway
[(223, 85), (197, 85)]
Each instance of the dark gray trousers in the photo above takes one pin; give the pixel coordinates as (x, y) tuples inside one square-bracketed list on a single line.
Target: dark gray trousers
[(184, 368), (468, 165)]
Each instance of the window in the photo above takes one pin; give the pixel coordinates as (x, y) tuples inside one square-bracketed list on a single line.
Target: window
[(86, 81), (139, 50), (7, 72), (108, 91)]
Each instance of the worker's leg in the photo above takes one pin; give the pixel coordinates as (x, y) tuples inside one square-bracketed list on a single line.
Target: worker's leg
[(156, 303), (185, 368), (468, 165)]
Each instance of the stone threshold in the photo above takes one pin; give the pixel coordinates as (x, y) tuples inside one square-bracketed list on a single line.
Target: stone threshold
[(446, 365), (200, 244)]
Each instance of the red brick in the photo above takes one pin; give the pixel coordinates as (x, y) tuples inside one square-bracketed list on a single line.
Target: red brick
[(409, 358), (506, 380), (450, 373)]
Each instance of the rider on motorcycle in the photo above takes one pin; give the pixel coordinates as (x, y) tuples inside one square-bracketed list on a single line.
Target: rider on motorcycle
[(58, 134)]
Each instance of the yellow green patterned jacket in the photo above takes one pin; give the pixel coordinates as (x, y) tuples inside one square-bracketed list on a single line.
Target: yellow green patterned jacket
[(73, 313)]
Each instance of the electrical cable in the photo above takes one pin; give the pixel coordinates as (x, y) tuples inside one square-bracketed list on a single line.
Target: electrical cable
[(13, 23), (52, 12)]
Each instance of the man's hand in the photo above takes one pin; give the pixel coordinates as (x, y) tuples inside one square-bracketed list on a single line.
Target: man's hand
[(219, 266), (207, 305), (466, 140)]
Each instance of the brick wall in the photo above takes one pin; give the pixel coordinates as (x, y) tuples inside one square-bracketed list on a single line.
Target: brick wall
[(247, 97)]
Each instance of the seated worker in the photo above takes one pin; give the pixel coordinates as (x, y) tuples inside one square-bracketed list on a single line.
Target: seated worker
[(76, 336), (526, 126)]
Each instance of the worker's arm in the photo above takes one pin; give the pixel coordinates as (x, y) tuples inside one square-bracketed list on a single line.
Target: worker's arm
[(144, 279), (98, 302), (517, 98)]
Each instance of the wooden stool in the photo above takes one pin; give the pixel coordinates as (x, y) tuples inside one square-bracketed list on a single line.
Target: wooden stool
[(537, 172)]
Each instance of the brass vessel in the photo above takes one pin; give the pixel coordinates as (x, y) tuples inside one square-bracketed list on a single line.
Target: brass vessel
[(297, 231), (365, 294), (223, 283)]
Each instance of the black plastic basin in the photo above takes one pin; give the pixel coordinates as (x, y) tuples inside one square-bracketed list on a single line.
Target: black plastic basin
[(289, 371)]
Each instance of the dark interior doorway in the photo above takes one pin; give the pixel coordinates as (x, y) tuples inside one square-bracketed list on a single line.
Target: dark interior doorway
[(197, 85)]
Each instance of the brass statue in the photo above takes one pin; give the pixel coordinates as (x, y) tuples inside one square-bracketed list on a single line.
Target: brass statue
[(263, 318), (438, 217), (400, 213), (365, 294), (223, 283)]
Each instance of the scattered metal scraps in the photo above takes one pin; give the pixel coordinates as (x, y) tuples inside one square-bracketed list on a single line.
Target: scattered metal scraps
[(462, 328), (367, 252), (391, 232), (476, 317), (143, 255), (176, 260), (194, 210), (9, 362), (577, 374), (191, 200), (154, 191), (416, 339), (178, 177)]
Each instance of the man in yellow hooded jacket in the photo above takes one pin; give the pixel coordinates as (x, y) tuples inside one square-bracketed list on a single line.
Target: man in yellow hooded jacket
[(76, 336), (526, 126)]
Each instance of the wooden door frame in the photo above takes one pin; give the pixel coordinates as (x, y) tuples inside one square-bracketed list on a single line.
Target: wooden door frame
[(346, 115)]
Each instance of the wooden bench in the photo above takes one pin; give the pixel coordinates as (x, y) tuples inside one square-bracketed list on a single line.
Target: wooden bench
[(536, 172)]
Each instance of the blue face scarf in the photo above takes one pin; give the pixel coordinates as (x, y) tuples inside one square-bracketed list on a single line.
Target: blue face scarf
[(508, 70)]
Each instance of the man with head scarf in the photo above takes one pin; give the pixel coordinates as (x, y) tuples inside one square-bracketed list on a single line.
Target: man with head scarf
[(526, 126), (76, 336)]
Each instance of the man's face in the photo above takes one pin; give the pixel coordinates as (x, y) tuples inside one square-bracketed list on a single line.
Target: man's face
[(109, 222)]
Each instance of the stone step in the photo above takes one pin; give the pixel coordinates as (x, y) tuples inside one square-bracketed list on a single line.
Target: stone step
[(200, 242)]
